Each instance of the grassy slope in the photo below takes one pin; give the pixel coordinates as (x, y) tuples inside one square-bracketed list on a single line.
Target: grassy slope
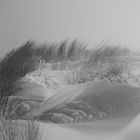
[(28, 57)]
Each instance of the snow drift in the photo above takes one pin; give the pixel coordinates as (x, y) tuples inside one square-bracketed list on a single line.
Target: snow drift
[(93, 100)]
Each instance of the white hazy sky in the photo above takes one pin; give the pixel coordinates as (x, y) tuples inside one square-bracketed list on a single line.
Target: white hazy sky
[(92, 21)]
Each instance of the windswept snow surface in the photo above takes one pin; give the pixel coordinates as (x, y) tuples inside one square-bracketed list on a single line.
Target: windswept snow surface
[(98, 130), (101, 109), (93, 100)]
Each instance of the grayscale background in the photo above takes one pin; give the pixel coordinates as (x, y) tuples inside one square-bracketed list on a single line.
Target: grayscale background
[(92, 21)]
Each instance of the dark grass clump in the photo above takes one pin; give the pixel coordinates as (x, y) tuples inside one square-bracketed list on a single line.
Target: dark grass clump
[(77, 51), (19, 130), (25, 59), (14, 66), (63, 51)]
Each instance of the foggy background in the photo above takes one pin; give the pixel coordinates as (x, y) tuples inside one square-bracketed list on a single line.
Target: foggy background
[(92, 21)]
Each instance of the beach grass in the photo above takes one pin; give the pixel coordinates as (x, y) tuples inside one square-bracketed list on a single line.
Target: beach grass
[(84, 64)]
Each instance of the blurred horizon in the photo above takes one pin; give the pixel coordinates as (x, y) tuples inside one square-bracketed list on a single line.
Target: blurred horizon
[(89, 21)]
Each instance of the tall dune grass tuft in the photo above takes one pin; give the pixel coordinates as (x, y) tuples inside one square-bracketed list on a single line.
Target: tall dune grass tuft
[(11, 129), (85, 64), (19, 130), (13, 67)]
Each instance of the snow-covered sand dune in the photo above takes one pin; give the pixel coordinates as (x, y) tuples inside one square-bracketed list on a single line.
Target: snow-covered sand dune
[(119, 102), (88, 94), (109, 99)]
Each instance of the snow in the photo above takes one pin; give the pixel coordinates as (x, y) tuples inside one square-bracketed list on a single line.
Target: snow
[(114, 129), (120, 103)]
